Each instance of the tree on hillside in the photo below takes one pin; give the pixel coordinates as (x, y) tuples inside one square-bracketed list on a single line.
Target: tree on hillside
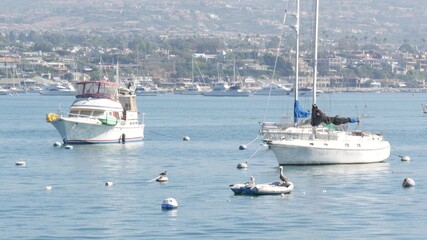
[(283, 67), (406, 48)]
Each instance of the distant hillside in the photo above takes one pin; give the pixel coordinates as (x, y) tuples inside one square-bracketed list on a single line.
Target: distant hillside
[(370, 20)]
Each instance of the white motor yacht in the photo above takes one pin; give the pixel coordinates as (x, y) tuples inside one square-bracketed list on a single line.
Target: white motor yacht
[(102, 113)]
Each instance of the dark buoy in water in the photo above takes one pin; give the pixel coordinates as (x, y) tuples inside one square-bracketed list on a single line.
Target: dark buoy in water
[(57, 144), (405, 158), (408, 182), (242, 165), (169, 203), (68, 147), (21, 163), (186, 138), (242, 147)]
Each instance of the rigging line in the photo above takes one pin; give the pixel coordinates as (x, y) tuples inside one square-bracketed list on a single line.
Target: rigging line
[(401, 156), (200, 71), (258, 137), (161, 134), (256, 151), (276, 60)]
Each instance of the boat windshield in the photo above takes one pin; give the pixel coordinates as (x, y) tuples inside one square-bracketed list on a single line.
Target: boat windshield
[(97, 90)]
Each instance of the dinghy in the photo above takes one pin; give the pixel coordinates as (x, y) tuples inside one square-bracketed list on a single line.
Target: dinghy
[(273, 188)]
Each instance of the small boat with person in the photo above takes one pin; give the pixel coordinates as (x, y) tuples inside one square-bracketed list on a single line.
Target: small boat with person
[(284, 186)]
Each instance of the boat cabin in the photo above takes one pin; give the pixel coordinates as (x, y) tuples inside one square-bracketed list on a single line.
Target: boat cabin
[(97, 89)]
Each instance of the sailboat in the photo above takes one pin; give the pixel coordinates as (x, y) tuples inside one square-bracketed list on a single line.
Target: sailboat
[(193, 88), (320, 141), (222, 88)]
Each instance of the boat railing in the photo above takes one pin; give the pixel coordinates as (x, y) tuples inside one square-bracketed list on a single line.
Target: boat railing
[(273, 130), (78, 115)]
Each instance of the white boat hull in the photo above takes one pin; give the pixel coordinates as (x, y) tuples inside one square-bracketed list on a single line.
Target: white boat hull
[(93, 132), (304, 152), (58, 93), (226, 94)]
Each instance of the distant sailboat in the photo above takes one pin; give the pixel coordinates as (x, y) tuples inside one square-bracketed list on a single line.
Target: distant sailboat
[(193, 88), (320, 141), (222, 89)]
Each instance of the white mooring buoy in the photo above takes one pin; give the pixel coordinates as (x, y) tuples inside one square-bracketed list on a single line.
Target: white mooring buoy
[(405, 158), (108, 184), (186, 138), (68, 147), (57, 144), (408, 182), (242, 147), (169, 203), (162, 179), (242, 165)]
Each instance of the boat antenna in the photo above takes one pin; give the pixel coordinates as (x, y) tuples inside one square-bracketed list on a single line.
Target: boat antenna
[(192, 68), (100, 67), (117, 72), (316, 35)]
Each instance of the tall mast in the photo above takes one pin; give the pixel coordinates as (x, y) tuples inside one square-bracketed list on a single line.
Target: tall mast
[(316, 35), (296, 28), (234, 70), (192, 68)]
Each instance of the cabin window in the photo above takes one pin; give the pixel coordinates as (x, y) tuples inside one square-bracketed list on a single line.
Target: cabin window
[(79, 89), (347, 145), (85, 113), (74, 113), (97, 113), (102, 89), (91, 88), (358, 145)]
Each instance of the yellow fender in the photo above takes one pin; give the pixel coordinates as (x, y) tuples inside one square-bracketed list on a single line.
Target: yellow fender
[(50, 117)]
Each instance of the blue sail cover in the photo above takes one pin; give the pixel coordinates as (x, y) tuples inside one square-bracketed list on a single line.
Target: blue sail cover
[(299, 112)]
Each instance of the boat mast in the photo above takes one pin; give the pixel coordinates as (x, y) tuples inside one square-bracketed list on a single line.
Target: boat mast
[(192, 69), (316, 35), (296, 28), (234, 71)]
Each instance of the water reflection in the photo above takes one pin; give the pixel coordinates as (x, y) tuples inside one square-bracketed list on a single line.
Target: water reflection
[(170, 212), (348, 170), (105, 157)]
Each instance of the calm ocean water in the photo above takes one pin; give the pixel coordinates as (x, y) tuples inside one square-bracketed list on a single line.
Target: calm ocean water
[(337, 201)]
